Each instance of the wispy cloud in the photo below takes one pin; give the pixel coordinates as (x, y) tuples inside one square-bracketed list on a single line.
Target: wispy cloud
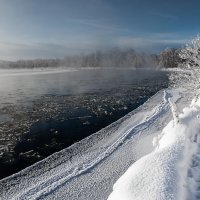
[(102, 26), (84, 44), (15, 51), (152, 42), (165, 15)]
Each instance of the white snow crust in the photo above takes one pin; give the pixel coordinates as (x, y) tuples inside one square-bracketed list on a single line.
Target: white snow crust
[(163, 173)]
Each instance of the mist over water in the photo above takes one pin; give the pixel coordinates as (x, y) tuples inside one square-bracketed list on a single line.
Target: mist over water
[(41, 113), (114, 57), (20, 87)]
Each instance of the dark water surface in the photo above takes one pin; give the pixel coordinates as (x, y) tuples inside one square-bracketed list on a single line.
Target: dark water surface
[(44, 113)]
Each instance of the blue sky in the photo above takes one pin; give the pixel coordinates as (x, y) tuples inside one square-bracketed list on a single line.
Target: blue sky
[(54, 28)]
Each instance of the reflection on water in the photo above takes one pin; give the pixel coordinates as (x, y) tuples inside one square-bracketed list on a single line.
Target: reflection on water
[(44, 113)]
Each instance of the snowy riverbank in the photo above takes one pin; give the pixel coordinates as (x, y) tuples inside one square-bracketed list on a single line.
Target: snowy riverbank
[(89, 168)]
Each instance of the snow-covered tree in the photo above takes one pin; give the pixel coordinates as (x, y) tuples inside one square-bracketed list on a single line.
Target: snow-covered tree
[(190, 54)]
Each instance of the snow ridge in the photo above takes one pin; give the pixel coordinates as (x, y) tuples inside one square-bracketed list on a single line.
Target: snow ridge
[(57, 180), (172, 170)]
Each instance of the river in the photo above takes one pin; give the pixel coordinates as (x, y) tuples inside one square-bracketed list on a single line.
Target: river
[(42, 112)]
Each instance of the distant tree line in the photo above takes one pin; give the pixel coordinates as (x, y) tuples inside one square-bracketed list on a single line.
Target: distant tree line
[(112, 58)]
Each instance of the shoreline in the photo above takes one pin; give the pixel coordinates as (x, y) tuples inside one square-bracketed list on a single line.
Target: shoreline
[(86, 148)]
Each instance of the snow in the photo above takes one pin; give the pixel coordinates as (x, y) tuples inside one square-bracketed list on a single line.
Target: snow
[(162, 174), (35, 71), (152, 152)]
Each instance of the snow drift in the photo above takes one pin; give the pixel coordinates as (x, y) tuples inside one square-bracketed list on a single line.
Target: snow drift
[(167, 172)]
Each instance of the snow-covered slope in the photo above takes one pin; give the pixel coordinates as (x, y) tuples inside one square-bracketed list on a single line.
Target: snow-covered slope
[(89, 168), (163, 174)]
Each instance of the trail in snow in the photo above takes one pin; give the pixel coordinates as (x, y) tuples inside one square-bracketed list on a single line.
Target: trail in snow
[(55, 181)]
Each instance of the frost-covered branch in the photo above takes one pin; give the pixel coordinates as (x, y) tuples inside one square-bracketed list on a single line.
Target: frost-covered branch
[(190, 54), (174, 112)]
